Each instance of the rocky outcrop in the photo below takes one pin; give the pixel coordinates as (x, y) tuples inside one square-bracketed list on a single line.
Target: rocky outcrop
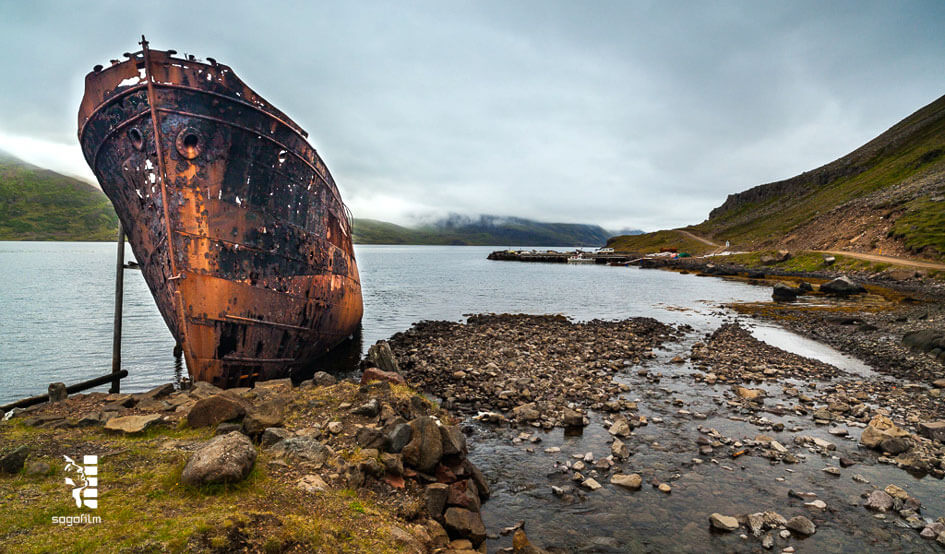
[(842, 286), (224, 459)]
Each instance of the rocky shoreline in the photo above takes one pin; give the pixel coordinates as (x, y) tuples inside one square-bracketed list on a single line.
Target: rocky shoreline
[(525, 420)]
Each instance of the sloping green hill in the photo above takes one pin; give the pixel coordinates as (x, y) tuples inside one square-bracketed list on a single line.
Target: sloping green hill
[(38, 204), (485, 230), (887, 197)]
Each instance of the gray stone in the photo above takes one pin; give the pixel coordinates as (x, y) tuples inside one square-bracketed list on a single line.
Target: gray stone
[(435, 496), (224, 459), (369, 437), (426, 444), (842, 286), (454, 441), (272, 435), (212, 410), (323, 379), (369, 409), (462, 523), (723, 522), (784, 293), (399, 436), (228, 427), (264, 415), (57, 392), (801, 525), (12, 460), (895, 445), (381, 356), (307, 449), (131, 424), (157, 392)]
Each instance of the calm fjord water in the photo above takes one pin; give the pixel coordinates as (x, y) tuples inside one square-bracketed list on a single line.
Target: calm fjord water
[(56, 304)]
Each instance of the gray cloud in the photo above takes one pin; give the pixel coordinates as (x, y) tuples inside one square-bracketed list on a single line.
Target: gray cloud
[(641, 114)]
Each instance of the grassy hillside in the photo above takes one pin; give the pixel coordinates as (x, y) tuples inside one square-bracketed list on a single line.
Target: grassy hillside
[(485, 230), (648, 243), (38, 204), (887, 197)]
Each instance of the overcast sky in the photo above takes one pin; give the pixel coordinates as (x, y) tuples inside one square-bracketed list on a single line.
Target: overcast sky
[(625, 114)]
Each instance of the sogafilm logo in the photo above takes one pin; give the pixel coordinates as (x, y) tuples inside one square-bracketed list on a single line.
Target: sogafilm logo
[(85, 493)]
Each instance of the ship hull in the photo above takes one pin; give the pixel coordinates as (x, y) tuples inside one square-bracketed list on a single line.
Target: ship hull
[(236, 222)]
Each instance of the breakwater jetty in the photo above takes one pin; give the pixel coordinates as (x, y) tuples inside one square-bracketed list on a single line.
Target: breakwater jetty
[(554, 256)]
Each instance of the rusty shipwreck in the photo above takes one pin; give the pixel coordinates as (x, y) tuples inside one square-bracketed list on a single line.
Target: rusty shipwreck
[(236, 222)]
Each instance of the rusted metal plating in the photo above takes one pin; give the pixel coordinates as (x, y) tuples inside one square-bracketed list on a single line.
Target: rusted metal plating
[(238, 226)]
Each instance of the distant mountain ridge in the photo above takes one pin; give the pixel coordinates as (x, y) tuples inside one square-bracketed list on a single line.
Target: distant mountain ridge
[(888, 197), (482, 230), (39, 204)]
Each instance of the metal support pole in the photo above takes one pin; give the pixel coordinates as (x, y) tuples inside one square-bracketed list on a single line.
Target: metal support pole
[(119, 292)]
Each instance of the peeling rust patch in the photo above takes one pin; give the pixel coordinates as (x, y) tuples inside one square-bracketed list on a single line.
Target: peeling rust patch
[(236, 221)]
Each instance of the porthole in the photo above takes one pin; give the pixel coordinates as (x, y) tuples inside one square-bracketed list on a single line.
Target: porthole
[(137, 140), (189, 144)]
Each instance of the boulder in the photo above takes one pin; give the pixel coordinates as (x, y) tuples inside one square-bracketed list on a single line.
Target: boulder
[(801, 525), (784, 293), (57, 392), (224, 459), (435, 497), (454, 441), (262, 416), (879, 501), (723, 522), (619, 449), (464, 524), (306, 449), (895, 445), (312, 484), (157, 392), (631, 482), (212, 410), (842, 286), (426, 444), (399, 436), (620, 427), (323, 379), (272, 435), (202, 389), (369, 437), (464, 495), (934, 430), (381, 356), (12, 460), (572, 418), (375, 374), (751, 395), (132, 424), (879, 429)]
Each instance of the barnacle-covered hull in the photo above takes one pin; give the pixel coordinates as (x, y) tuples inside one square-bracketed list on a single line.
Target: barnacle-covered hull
[(236, 222)]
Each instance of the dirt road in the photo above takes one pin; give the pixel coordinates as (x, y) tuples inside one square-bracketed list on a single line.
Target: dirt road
[(885, 259)]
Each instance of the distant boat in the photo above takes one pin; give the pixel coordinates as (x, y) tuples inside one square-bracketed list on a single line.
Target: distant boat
[(579, 259), (238, 226)]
